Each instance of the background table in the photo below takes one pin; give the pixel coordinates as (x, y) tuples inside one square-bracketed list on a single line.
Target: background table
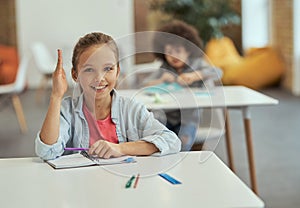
[(206, 182), (226, 97)]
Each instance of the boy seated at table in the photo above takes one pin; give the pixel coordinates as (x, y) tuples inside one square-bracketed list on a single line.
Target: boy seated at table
[(179, 47)]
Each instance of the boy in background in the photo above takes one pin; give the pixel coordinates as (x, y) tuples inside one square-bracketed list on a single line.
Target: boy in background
[(179, 47)]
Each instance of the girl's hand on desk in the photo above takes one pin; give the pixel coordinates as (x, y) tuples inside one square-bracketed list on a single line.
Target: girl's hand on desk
[(59, 80), (105, 149)]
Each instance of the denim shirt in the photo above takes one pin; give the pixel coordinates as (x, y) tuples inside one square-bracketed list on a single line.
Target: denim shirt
[(133, 122)]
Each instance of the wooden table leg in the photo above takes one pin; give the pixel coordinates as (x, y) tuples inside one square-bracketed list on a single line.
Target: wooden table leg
[(228, 140), (19, 112), (247, 126)]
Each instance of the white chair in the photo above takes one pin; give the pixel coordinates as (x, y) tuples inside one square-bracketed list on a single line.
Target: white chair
[(210, 130), (45, 64), (14, 89), (214, 126)]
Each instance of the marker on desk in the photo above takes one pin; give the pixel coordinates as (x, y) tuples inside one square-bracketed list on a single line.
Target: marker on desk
[(128, 160), (75, 149), (169, 178), (129, 182), (136, 181)]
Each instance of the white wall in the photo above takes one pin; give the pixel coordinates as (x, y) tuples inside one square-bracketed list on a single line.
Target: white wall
[(255, 23), (60, 23)]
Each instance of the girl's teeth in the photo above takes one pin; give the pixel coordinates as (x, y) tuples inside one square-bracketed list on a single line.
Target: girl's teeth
[(99, 87)]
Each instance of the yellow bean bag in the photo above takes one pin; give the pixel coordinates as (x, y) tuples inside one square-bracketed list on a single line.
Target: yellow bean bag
[(222, 52), (259, 68)]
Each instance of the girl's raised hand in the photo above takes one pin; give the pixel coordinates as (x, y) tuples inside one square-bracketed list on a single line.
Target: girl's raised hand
[(60, 84)]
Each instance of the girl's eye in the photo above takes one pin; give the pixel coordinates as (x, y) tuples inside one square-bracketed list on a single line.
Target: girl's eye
[(108, 68), (88, 70)]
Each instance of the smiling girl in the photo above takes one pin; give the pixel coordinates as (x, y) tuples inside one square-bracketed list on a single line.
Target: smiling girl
[(99, 118)]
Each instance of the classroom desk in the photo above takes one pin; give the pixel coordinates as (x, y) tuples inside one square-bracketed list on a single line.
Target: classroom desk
[(227, 97), (206, 182)]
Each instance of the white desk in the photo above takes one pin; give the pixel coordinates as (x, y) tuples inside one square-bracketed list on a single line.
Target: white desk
[(206, 182), (231, 97), (227, 96)]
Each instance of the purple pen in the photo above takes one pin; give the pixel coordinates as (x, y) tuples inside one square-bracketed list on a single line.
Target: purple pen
[(75, 148)]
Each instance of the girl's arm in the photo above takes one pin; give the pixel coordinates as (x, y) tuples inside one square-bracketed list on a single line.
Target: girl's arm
[(50, 128), (138, 148), (106, 149)]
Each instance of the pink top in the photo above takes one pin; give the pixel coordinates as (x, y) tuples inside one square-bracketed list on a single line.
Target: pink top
[(100, 129)]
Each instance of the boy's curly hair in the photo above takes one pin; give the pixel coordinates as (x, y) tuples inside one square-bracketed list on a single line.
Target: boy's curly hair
[(188, 38)]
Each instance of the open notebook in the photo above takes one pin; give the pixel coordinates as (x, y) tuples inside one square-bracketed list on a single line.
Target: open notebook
[(82, 159)]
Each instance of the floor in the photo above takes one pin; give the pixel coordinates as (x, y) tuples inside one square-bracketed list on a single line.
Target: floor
[(275, 129)]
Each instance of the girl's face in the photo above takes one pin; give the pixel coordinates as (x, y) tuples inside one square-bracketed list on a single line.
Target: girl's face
[(176, 56), (97, 72)]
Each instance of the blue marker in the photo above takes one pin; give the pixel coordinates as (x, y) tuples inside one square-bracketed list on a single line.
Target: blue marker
[(169, 178), (128, 160)]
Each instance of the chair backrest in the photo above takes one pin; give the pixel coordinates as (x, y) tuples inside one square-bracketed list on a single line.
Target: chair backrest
[(43, 58), (21, 74), (20, 81)]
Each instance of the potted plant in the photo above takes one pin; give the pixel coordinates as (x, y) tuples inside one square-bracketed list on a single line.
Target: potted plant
[(209, 17)]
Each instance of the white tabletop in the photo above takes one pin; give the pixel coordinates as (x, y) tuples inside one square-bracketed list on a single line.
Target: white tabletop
[(227, 96), (206, 182)]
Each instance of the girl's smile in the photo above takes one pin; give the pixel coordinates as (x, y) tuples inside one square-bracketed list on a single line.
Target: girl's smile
[(99, 88)]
